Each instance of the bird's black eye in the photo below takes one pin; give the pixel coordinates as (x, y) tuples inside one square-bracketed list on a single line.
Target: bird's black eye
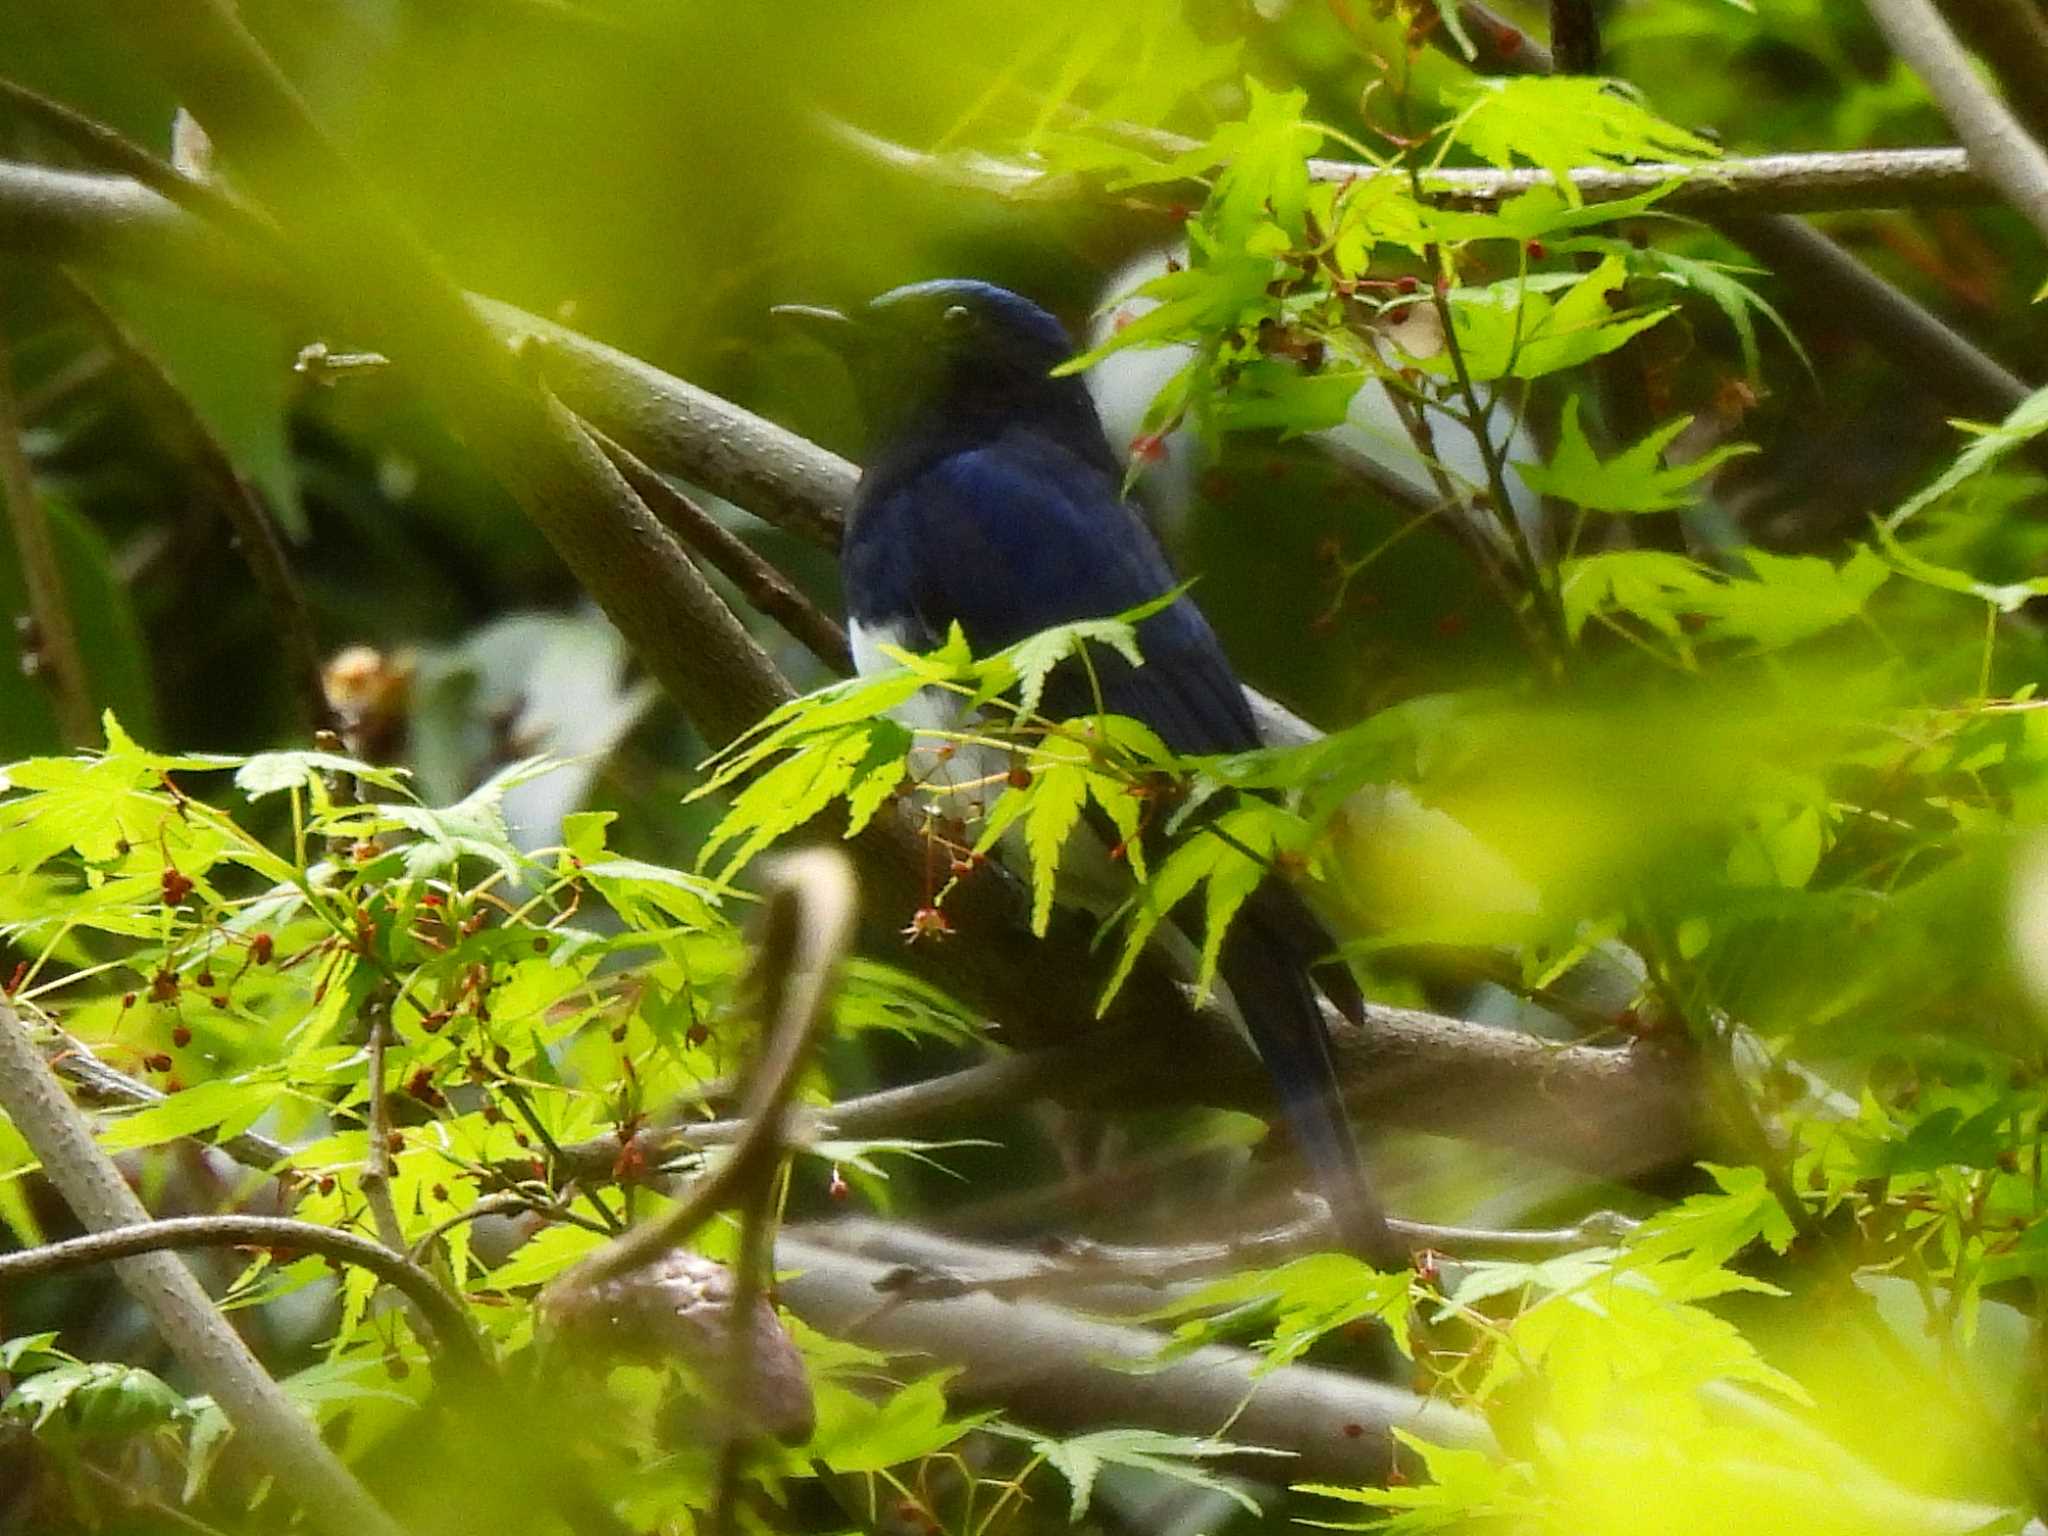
[(958, 318)]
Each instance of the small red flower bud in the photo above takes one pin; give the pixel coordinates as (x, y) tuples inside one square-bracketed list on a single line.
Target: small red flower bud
[(326, 1183), (176, 887), (159, 1062), (204, 979), (260, 948), (837, 1188), (1536, 250), (181, 1036), (1148, 447), (696, 1035), (1020, 776)]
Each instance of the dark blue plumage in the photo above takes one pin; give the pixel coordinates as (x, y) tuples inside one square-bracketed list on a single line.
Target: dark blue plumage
[(994, 501)]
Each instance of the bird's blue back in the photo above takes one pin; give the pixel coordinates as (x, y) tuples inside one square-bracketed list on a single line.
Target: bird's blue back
[(995, 503)]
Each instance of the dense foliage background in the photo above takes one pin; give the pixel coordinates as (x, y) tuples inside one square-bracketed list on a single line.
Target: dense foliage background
[(388, 842)]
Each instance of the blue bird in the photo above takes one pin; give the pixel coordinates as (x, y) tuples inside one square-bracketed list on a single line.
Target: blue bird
[(993, 500)]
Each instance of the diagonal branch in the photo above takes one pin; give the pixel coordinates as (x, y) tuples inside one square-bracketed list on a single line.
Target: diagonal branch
[(221, 1363), (51, 646), (2010, 160)]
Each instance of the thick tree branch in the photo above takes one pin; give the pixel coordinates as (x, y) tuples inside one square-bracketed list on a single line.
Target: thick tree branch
[(1616, 1110), (444, 1312), (1044, 1365), (2009, 159), (280, 1435)]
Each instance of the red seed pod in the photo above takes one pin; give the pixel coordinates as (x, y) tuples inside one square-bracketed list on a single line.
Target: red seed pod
[(1020, 776), (261, 947), (176, 887), (127, 999), (696, 1035), (158, 1062), (1405, 283), (440, 1193), (219, 999), (1536, 250), (163, 986), (326, 1183), (493, 1115), (395, 1142), (204, 980), (181, 1036)]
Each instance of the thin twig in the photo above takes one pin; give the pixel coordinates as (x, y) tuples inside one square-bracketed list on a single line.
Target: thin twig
[(1998, 145), (52, 645), (759, 582), (376, 1177), (255, 533), (281, 1436), (115, 151), (443, 1312), (97, 1083)]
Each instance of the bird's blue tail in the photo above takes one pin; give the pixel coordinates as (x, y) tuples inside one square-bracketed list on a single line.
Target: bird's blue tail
[(1270, 983)]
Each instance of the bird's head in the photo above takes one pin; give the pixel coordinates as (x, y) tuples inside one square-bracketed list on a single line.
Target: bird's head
[(955, 343)]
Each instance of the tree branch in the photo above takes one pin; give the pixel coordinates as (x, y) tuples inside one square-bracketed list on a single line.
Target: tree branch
[(1616, 1110), (2012, 37), (279, 1434), (1913, 337), (98, 1083), (442, 1310), (760, 583), (49, 648), (2011, 161), (1045, 1366)]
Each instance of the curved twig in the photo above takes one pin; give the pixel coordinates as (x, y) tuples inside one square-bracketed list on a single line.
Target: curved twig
[(808, 923), (443, 1312)]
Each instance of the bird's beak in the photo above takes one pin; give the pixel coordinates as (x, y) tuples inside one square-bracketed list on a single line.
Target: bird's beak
[(832, 328)]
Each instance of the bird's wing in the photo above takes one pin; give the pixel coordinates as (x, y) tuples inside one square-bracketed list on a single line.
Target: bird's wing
[(1019, 534)]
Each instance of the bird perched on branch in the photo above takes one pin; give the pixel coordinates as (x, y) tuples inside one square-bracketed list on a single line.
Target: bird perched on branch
[(992, 499)]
